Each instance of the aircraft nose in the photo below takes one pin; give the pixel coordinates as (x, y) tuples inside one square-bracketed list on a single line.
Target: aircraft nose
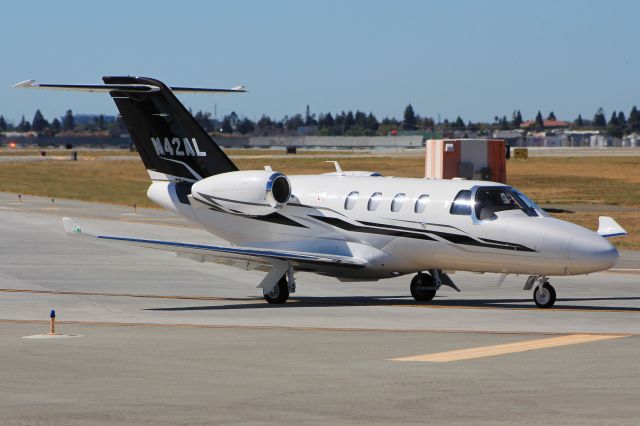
[(591, 253)]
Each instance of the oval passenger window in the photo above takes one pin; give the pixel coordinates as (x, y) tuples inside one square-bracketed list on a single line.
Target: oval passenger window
[(421, 203), (350, 201), (397, 202), (374, 201)]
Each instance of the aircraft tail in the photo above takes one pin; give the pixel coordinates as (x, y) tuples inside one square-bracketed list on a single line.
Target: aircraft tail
[(173, 146), (171, 143)]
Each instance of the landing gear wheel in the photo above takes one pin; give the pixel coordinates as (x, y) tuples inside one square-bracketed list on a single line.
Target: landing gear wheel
[(422, 288), (278, 294), (544, 296)]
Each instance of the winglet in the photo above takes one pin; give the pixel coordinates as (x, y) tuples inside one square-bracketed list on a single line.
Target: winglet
[(70, 226), (607, 228)]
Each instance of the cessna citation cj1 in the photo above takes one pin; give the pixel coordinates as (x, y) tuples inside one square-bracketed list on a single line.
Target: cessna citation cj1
[(354, 226)]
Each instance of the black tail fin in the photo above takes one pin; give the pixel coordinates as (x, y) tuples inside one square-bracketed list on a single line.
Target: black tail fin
[(170, 141)]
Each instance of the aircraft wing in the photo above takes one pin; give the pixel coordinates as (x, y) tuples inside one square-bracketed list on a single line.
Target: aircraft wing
[(222, 254)]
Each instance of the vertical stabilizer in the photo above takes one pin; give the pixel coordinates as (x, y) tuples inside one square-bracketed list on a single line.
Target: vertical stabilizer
[(172, 144)]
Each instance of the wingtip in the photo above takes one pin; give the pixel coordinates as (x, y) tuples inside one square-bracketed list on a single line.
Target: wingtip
[(24, 84), (70, 226)]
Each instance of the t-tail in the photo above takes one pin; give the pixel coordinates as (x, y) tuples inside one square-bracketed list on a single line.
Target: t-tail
[(172, 144)]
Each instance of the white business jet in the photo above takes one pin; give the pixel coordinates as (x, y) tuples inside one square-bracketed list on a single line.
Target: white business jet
[(354, 226)]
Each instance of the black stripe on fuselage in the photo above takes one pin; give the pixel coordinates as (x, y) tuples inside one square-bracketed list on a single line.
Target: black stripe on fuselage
[(339, 223), (385, 229), (279, 219), (467, 240), (517, 247), (212, 198), (454, 238), (271, 217)]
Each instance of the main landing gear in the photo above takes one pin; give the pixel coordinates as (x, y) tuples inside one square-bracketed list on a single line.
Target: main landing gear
[(425, 286), (544, 295), (279, 293)]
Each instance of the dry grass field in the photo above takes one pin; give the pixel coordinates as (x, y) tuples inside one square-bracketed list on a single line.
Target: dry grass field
[(90, 153), (583, 182)]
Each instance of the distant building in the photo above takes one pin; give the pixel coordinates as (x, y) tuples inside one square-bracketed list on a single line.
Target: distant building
[(604, 141), (19, 134), (580, 137), (535, 139), (511, 137), (555, 139), (632, 140), (548, 124)]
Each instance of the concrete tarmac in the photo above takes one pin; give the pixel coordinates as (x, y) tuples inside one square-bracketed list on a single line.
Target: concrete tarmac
[(171, 341)]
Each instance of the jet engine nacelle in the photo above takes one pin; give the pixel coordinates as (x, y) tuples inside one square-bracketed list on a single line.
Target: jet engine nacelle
[(247, 192)]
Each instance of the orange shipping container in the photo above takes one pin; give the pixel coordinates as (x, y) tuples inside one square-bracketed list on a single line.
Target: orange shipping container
[(479, 159)]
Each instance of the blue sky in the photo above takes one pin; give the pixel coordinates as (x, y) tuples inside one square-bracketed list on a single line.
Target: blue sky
[(475, 59)]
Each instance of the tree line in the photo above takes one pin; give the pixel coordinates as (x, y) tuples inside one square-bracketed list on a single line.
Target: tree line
[(67, 123), (347, 123)]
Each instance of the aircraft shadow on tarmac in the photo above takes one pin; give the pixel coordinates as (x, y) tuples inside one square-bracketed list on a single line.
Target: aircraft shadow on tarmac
[(402, 301)]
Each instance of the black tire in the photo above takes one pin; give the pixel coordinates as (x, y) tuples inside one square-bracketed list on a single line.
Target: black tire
[(545, 298), (422, 291), (279, 294)]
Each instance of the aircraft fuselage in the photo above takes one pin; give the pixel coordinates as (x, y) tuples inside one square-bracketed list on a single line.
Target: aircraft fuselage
[(357, 216)]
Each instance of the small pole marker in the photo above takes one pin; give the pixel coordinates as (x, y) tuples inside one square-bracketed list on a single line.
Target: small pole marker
[(52, 330), (52, 322)]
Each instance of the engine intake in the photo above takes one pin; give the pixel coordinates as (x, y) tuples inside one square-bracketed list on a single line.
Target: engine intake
[(247, 192), (279, 188)]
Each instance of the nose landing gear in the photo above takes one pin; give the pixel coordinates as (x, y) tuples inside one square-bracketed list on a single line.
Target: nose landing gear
[(544, 295)]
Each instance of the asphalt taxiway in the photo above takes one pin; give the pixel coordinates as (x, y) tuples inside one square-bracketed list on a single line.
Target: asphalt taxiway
[(169, 340)]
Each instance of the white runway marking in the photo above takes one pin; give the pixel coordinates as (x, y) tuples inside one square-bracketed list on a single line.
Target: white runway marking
[(52, 336)]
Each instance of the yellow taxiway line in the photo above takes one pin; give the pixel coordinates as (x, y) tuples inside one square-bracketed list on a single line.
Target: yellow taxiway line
[(508, 348)]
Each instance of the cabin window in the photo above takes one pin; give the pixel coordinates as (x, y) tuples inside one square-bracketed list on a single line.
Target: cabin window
[(397, 202), (374, 201), (462, 203), (421, 203), (350, 201)]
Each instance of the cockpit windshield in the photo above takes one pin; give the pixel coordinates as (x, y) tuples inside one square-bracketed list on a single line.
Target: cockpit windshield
[(491, 200), (528, 201)]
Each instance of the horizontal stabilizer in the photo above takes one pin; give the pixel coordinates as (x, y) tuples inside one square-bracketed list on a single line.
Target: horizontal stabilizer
[(129, 88), (608, 228)]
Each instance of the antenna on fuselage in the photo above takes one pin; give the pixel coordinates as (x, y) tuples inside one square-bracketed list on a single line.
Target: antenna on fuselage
[(338, 168)]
